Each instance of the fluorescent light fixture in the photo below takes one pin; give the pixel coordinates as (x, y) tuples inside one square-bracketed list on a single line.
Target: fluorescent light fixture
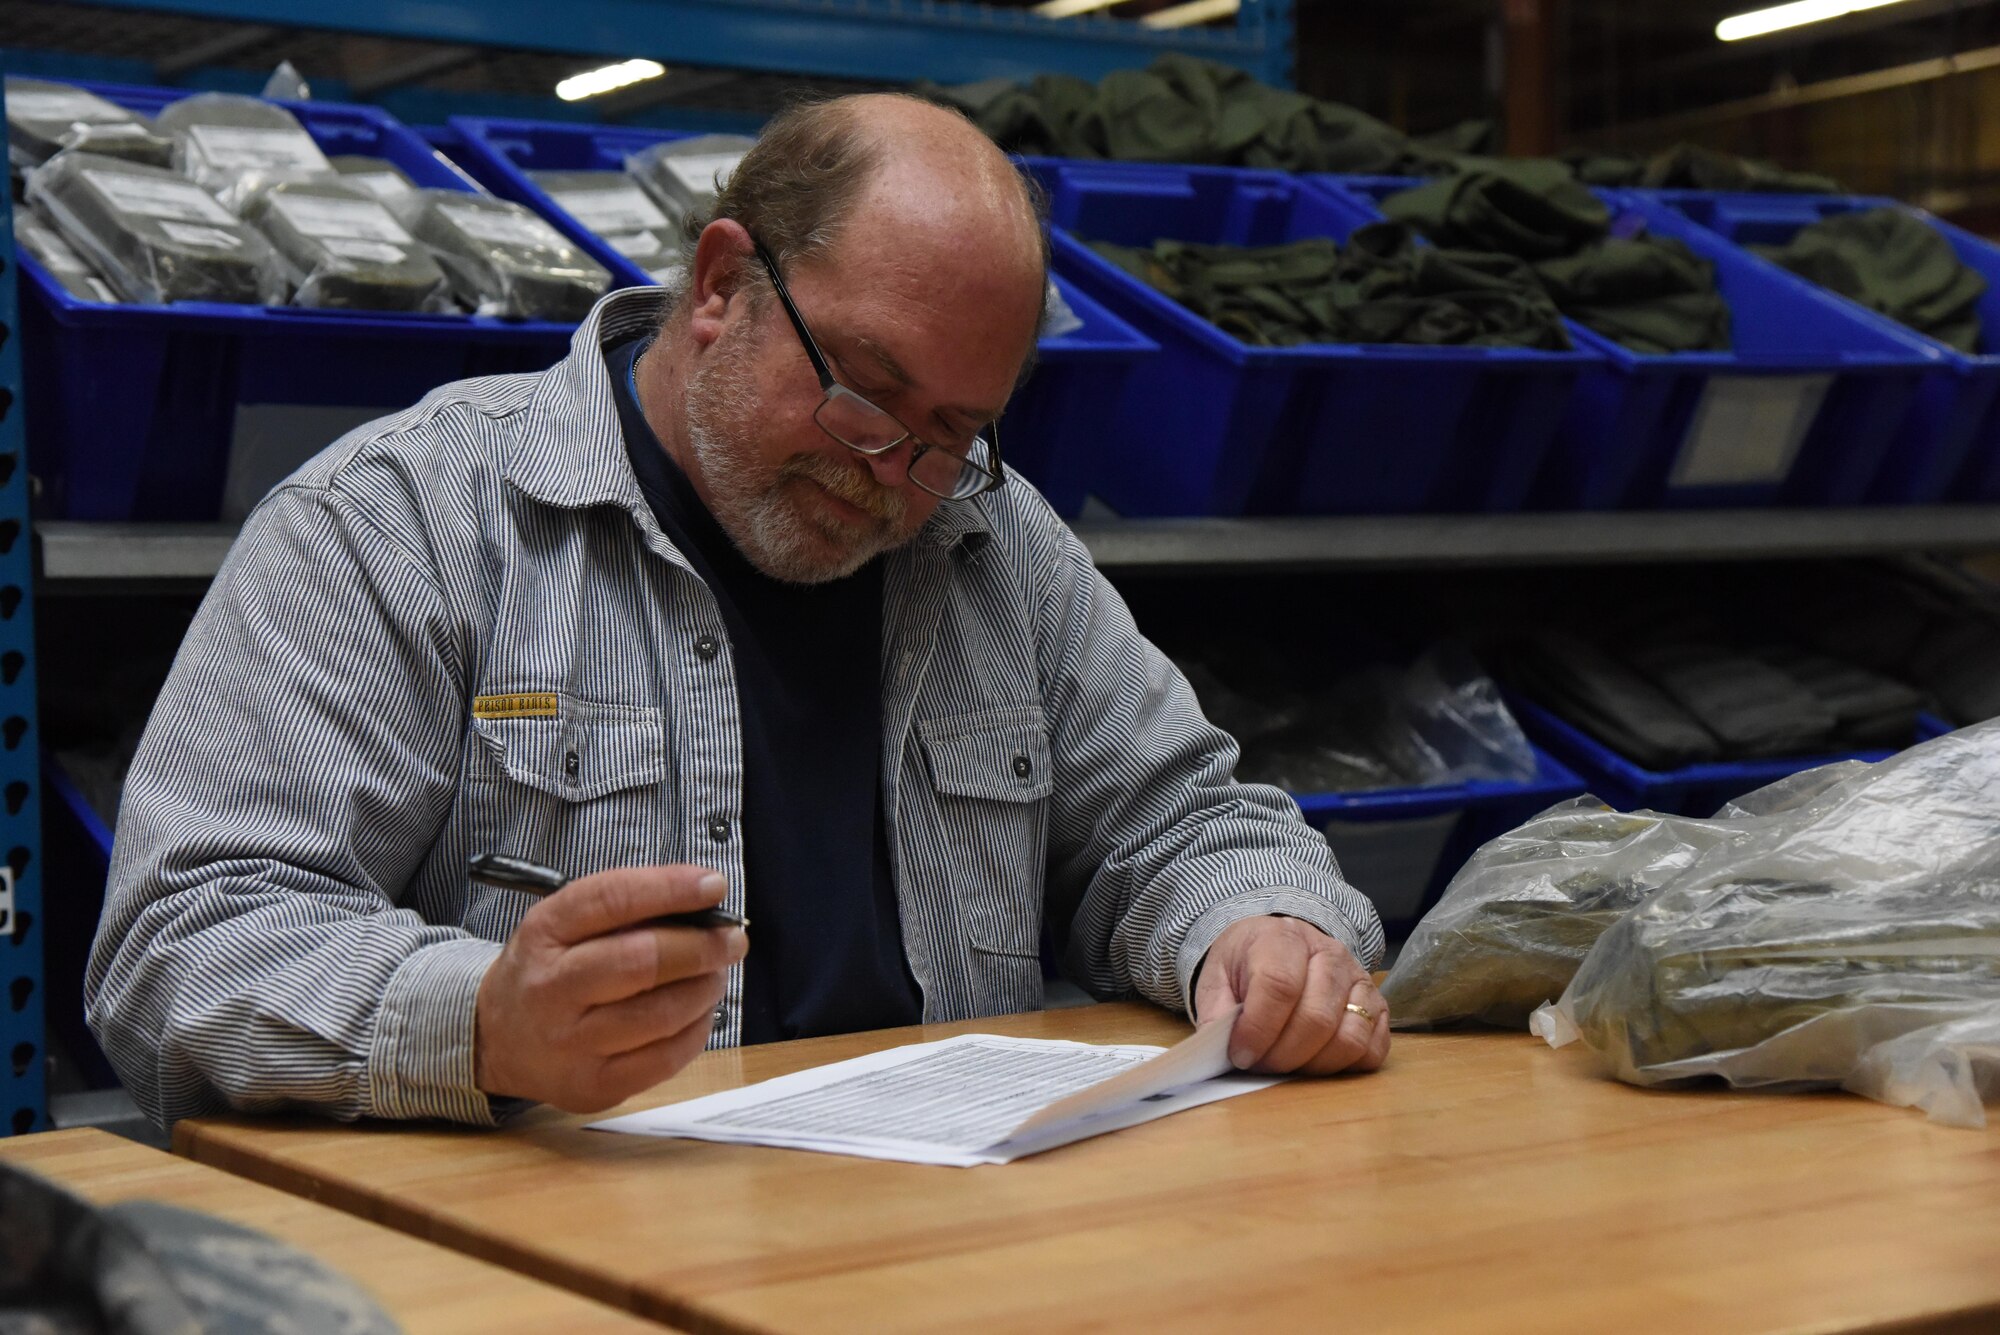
[(1779, 17), (1187, 15), (592, 82), (1069, 9)]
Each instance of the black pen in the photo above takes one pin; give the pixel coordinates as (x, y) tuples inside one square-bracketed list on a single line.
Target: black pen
[(520, 874)]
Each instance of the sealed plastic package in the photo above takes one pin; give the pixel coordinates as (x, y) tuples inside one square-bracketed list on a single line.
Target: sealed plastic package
[(378, 176), (154, 236), (36, 237), (342, 249), (612, 205), (683, 175), (501, 259), (236, 146), (44, 118)]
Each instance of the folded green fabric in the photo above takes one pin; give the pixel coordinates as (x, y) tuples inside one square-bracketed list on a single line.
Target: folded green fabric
[(1649, 293), (1690, 167), (1891, 261), (1533, 208)]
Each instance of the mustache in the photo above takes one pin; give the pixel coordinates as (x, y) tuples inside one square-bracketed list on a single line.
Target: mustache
[(847, 483)]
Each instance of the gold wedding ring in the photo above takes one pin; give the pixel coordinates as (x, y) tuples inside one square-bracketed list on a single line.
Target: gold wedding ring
[(1367, 1016)]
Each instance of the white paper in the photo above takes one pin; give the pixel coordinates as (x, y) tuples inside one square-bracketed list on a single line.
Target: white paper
[(382, 185), (704, 173), (233, 146), (504, 228), (63, 104), (620, 208), (155, 197), (376, 252), (975, 1099), (323, 216), (209, 238)]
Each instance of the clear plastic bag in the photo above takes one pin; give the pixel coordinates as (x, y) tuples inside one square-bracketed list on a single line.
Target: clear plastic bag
[(343, 250), (378, 176), (1057, 317), (612, 205), (237, 146), (503, 260), (684, 175), (44, 118), (1853, 940), (154, 236), (37, 237)]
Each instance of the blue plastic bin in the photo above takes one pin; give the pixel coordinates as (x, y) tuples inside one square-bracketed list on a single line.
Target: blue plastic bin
[(76, 856), (1694, 790), (1801, 410), (138, 410), (1402, 846), (1054, 424), (1216, 426), (1949, 445)]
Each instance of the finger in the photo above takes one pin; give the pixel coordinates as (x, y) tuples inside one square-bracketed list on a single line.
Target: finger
[(1352, 1041), (1213, 991), (624, 964), (635, 1022), (608, 900), (631, 1072), (1275, 974), (1315, 1018), (1378, 1040)]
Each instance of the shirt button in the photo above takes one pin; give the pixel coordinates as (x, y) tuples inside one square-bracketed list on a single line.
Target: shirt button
[(571, 764), (1022, 767), (707, 647), (718, 829), (721, 1021)]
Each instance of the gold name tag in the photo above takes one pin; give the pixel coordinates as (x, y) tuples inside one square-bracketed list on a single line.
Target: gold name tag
[(541, 705)]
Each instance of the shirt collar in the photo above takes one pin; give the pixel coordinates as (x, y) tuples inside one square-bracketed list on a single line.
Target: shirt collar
[(570, 449)]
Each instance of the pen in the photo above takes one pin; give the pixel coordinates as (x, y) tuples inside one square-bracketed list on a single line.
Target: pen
[(520, 874)]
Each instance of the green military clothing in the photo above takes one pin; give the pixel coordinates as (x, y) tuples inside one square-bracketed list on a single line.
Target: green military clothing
[(1532, 208), (1689, 167), (1891, 261)]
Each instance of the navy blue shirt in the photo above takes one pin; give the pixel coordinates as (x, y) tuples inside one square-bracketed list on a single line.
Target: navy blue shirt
[(826, 946)]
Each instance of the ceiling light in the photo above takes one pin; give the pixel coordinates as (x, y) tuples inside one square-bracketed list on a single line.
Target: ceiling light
[(592, 82), (1779, 17), (1069, 9), (1187, 15)]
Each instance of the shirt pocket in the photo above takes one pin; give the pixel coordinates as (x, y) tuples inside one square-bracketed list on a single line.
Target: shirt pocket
[(579, 791), (991, 777)]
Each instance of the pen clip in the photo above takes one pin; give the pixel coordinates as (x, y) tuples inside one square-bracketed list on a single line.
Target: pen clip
[(514, 873)]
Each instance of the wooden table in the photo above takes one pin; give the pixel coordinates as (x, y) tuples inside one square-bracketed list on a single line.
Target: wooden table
[(1479, 1182), (424, 1287)]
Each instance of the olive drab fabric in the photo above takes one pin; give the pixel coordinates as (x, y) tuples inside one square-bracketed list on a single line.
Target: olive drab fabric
[(1891, 261)]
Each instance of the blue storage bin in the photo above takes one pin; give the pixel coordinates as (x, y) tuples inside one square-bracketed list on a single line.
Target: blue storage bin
[(1402, 846), (1949, 445), (1216, 426), (138, 411), (76, 856), (1693, 790), (1055, 423), (1801, 410)]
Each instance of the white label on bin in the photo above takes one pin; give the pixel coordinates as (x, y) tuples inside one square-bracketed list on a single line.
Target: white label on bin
[(208, 238), (158, 196), (63, 104), (635, 245), (322, 216), (703, 173), (382, 185), (354, 248), (1747, 430), (234, 146), (507, 228), (621, 208)]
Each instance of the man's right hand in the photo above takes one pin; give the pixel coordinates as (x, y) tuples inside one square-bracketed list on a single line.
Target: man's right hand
[(584, 1008)]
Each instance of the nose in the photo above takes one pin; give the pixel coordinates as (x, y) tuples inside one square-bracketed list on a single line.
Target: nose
[(892, 467)]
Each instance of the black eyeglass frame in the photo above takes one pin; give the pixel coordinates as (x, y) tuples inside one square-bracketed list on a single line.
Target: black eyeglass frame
[(829, 386)]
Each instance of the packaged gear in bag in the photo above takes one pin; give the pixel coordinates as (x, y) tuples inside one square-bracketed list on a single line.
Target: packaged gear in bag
[(612, 205), (684, 175), (503, 260), (343, 250), (1854, 942), (236, 146), (44, 118), (378, 176), (154, 236), (37, 238)]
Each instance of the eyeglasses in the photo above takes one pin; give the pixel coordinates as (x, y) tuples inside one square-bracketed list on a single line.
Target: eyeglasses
[(952, 472)]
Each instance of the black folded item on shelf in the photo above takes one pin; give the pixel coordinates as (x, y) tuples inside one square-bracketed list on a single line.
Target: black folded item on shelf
[(1751, 709), (1607, 699)]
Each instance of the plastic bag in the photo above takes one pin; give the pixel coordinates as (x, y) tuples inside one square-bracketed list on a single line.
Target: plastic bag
[(36, 237), (237, 146), (1057, 317), (44, 118), (1454, 709), (1852, 941), (154, 236), (503, 260), (378, 176), (612, 205), (287, 84), (343, 250), (684, 175)]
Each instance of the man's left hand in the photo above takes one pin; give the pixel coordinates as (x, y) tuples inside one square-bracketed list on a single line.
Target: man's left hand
[(1296, 984)]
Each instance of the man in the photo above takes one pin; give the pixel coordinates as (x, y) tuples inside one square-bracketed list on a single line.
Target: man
[(729, 607)]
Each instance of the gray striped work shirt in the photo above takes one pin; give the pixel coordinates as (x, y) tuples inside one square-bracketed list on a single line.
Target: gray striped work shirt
[(289, 922)]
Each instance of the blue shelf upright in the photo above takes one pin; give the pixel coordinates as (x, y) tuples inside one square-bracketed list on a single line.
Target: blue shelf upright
[(23, 1088)]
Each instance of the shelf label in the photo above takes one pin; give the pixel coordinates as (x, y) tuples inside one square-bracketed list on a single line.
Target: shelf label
[(1747, 430)]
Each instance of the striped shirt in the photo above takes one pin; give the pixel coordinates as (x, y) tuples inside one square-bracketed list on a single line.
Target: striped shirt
[(289, 924)]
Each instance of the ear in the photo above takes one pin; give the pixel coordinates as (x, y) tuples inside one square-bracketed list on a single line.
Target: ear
[(717, 277)]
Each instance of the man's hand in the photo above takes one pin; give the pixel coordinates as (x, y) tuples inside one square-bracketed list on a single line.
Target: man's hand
[(1295, 983), (584, 1008)]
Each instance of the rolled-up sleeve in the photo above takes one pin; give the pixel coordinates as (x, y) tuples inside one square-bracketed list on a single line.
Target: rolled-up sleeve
[(298, 765)]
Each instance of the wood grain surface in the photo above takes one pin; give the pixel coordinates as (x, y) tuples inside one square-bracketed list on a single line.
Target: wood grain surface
[(427, 1289), (1479, 1182)]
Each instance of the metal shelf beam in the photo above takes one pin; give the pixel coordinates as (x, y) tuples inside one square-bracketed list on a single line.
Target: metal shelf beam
[(894, 41)]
